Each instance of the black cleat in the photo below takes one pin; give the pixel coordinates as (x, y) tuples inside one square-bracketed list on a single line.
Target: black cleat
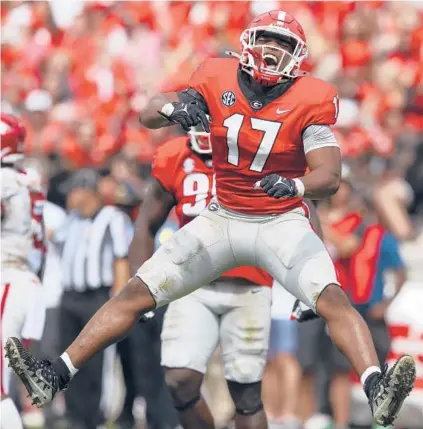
[(38, 376), (388, 393)]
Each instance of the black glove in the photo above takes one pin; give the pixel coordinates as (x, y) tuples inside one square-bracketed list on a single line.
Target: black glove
[(187, 115), (302, 314), (277, 186)]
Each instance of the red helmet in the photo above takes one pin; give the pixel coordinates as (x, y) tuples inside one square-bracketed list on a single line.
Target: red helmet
[(278, 24), (12, 135)]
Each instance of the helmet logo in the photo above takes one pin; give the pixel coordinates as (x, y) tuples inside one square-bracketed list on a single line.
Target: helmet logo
[(228, 98)]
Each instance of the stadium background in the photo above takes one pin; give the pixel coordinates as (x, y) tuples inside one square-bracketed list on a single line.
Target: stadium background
[(78, 73)]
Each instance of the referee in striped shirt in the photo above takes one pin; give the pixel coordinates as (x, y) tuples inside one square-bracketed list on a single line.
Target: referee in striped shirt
[(93, 243)]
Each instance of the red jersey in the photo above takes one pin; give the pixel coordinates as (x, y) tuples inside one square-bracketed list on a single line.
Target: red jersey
[(191, 180), (251, 140)]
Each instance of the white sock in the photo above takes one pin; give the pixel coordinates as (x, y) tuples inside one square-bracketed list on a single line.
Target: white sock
[(65, 358), (10, 418), (369, 371)]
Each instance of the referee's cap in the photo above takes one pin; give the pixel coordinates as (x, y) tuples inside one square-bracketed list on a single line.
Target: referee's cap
[(86, 178)]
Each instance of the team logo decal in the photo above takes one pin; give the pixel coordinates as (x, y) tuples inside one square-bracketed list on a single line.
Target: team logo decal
[(213, 206), (228, 98), (256, 105), (188, 165)]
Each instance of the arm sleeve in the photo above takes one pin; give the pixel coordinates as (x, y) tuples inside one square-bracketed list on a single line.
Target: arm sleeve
[(318, 136), (391, 252), (119, 227)]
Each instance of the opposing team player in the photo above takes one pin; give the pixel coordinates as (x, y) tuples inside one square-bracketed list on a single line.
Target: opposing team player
[(269, 124), (22, 310), (233, 310), (38, 200)]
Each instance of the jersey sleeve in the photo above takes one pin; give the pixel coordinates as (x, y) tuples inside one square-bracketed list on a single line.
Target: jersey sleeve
[(323, 111), (164, 167), (204, 76), (199, 78)]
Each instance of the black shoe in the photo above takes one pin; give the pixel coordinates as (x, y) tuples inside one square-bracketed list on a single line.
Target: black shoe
[(388, 393), (38, 376)]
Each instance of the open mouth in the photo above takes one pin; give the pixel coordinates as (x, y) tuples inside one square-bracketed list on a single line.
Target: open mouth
[(271, 61)]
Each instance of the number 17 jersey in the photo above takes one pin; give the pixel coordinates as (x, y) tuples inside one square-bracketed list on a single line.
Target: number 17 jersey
[(253, 137), (190, 179)]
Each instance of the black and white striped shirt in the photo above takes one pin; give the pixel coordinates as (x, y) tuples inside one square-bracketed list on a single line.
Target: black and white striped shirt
[(88, 247)]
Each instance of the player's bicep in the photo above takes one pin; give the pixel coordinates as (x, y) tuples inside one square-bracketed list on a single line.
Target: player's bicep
[(328, 157)]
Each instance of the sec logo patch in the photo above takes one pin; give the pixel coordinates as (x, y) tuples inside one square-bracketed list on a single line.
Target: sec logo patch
[(228, 98)]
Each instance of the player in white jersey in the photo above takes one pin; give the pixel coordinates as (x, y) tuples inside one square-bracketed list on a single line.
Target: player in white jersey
[(22, 310)]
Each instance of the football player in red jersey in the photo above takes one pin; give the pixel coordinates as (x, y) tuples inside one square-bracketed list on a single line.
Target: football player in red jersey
[(272, 146), (220, 312)]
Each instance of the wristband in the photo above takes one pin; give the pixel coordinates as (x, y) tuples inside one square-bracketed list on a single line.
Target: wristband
[(300, 187), (167, 109)]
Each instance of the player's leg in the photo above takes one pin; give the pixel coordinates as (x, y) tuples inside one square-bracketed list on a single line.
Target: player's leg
[(189, 337), (244, 339), (301, 263), (194, 255)]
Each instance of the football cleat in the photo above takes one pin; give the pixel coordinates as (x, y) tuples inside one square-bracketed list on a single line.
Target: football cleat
[(38, 376), (388, 393)]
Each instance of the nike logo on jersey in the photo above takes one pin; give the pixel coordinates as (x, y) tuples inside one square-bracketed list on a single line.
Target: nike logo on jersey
[(280, 112)]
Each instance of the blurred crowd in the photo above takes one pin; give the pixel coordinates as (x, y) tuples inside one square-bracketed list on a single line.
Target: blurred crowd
[(79, 72)]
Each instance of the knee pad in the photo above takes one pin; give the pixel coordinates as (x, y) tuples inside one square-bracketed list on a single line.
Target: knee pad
[(184, 387), (246, 397)]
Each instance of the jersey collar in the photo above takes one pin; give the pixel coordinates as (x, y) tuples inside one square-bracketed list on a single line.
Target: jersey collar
[(266, 94)]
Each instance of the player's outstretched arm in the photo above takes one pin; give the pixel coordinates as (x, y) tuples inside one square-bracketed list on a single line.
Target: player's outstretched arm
[(150, 116), (164, 110), (153, 212)]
